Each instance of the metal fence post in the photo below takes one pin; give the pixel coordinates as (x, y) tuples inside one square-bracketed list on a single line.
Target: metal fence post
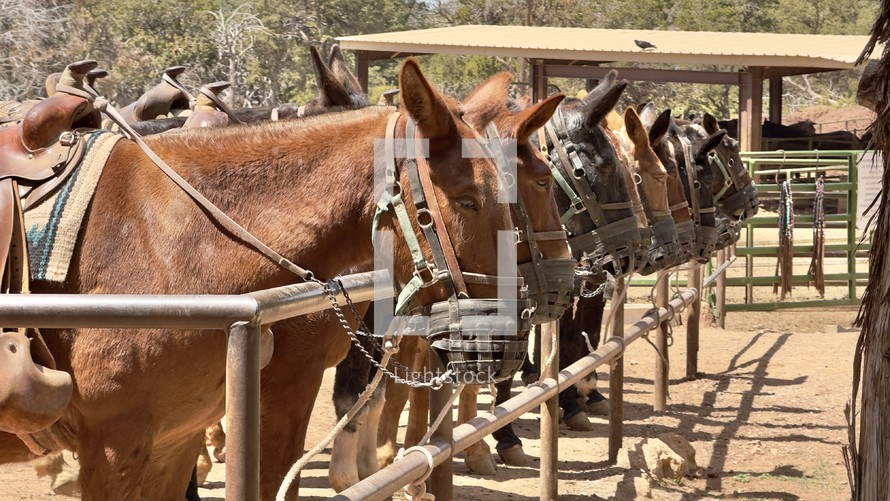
[(661, 344), (616, 377), (243, 412), (693, 317), (442, 477), (721, 290), (549, 413)]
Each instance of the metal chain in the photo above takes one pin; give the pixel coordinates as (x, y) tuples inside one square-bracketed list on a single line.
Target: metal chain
[(434, 383)]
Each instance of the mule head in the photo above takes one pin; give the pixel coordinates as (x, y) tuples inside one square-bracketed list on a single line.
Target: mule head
[(735, 194), (658, 125), (543, 256), (604, 235)]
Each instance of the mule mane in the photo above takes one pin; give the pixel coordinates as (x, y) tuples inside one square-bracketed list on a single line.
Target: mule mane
[(260, 133)]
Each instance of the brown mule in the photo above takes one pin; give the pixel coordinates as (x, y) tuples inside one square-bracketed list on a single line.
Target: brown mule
[(143, 399)]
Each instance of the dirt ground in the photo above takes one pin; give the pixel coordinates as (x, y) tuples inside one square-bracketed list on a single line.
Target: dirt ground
[(765, 416)]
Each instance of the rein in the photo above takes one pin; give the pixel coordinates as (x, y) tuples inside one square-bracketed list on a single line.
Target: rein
[(786, 240), (817, 264)]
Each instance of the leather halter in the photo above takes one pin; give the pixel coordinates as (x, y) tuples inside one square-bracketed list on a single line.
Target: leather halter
[(553, 278), (443, 268), (609, 236)]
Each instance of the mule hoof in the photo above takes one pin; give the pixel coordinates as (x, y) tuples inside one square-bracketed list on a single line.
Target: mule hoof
[(204, 466), (341, 479), (219, 453), (514, 456), (600, 408), (67, 482), (529, 378), (482, 464), (579, 422), (386, 454)]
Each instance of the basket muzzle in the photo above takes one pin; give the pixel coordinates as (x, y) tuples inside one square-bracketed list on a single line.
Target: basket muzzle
[(704, 244), (686, 240), (613, 247), (481, 341), (550, 298), (665, 249), (728, 231), (742, 204)]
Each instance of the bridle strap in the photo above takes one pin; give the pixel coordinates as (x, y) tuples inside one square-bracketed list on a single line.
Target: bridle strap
[(692, 179), (175, 83), (569, 159), (421, 167)]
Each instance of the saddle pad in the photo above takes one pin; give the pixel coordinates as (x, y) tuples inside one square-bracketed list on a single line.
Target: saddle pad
[(53, 225)]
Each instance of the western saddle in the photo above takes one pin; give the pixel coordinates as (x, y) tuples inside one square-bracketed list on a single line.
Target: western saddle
[(166, 97), (210, 110), (36, 154)]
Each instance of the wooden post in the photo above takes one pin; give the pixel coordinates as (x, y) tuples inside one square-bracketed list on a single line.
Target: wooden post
[(721, 290), (661, 344), (693, 317), (441, 480), (549, 413), (751, 108), (538, 81), (775, 100), (361, 69), (616, 378)]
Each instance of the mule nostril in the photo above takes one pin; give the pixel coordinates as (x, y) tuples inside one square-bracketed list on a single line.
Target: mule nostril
[(12, 348)]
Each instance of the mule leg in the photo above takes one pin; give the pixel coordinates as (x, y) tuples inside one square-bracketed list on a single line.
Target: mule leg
[(351, 378), (478, 458), (284, 421), (509, 446), (215, 437), (205, 464), (367, 446), (114, 458), (388, 429)]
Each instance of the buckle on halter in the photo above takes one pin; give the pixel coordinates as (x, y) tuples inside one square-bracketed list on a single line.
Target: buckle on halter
[(578, 207), (520, 235), (428, 275)]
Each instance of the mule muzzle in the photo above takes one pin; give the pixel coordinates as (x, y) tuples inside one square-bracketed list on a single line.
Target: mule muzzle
[(32, 396), (549, 287), (742, 204), (613, 247), (686, 240), (665, 249), (704, 244), (481, 341), (728, 231)]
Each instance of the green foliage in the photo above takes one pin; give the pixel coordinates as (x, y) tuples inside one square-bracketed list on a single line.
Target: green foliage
[(269, 62)]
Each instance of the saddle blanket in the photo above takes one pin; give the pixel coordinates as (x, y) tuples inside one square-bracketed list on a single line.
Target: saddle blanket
[(54, 224)]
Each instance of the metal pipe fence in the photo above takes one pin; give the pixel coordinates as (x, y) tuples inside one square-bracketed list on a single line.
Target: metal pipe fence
[(239, 315), (414, 464)]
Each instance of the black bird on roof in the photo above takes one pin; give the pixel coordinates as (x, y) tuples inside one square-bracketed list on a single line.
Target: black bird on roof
[(644, 44)]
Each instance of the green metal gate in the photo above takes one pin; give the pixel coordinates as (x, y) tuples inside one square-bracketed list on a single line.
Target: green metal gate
[(842, 247)]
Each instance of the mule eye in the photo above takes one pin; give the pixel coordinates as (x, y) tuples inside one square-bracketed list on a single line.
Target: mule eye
[(467, 203), (542, 183)]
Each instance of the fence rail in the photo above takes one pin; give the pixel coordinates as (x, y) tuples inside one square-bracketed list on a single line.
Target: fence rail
[(414, 464), (240, 315)]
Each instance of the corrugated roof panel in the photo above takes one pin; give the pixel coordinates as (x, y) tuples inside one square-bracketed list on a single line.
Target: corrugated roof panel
[(586, 44)]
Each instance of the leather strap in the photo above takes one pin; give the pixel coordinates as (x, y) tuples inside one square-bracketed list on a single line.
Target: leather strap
[(219, 216), (220, 104)]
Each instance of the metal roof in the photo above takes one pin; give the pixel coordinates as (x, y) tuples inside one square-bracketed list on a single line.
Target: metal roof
[(602, 45)]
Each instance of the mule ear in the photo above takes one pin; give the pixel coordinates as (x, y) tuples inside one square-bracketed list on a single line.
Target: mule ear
[(606, 83), (709, 144), (660, 127), (529, 120), (648, 114), (487, 100), (423, 102), (330, 91), (597, 109), (337, 63), (635, 130), (710, 123)]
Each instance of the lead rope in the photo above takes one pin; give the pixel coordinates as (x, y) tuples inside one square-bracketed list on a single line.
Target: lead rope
[(417, 489), (817, 264), (388, 351)]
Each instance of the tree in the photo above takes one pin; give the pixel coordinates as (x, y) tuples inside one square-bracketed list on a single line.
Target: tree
[(32, 36)]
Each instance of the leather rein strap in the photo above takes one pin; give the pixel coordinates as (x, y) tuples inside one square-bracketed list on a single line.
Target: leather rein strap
[(101, 104)]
